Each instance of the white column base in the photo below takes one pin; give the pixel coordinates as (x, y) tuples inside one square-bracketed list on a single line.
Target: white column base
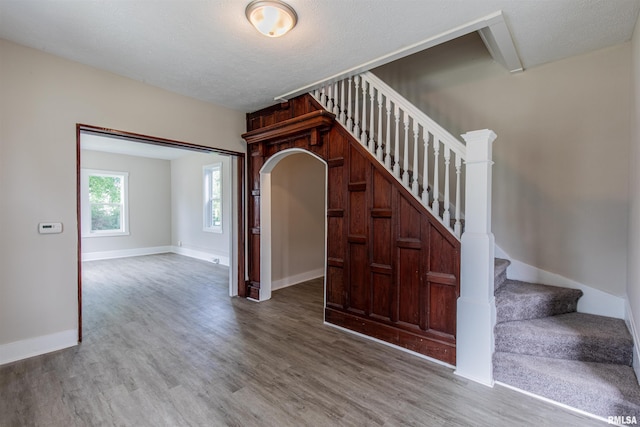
[(474, 348)]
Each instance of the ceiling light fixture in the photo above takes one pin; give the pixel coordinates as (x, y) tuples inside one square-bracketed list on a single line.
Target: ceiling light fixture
[(272, 18)]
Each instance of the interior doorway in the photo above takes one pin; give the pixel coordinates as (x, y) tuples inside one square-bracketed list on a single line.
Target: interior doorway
[(111, 153), (293, 225)]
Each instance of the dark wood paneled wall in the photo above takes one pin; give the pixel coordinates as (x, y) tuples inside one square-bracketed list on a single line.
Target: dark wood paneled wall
[(392, 269)]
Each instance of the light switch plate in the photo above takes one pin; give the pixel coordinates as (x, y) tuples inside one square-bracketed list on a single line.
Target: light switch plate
[(50, 227)]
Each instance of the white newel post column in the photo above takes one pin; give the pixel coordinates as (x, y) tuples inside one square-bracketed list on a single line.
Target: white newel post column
[(476, 305)]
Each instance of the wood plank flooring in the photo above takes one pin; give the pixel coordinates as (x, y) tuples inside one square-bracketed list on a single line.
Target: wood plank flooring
[(164, 345)]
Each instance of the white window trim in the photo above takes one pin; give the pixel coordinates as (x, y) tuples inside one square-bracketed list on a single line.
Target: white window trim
[(207, 170), (86, 205)]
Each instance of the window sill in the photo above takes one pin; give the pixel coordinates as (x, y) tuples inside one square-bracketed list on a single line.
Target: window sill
[(114, 234)]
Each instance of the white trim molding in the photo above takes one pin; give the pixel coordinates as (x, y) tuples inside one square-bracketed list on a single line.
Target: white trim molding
[(266, 284), (125, 253), (553, 402), (296, 278), (633, 330), (23, 349), (213, 257)]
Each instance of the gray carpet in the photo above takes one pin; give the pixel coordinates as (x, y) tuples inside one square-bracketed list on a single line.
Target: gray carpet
[(520, 300), (602, 389), (545, 347), (573, 336)]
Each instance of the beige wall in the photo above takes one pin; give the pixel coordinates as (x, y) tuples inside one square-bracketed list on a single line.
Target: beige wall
[(149, 201), (633, 283), (186, 204), (42, 98), (298, 207), (560, 187)]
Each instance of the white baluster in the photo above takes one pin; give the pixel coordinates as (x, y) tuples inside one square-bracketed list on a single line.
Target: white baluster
[(446, 216), (457, 227), (405, 155), (363, 135), (425, 168), (356, 116), (372, 140), (350, 115), (387, 147), (343, 118), (330, 97), (316, 94), (414, 183), (323, 98), (379, 149), (435, 206), (336, 108), (396, 141)]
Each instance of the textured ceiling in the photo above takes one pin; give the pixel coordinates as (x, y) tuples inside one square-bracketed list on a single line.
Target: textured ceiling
[(206, 48)]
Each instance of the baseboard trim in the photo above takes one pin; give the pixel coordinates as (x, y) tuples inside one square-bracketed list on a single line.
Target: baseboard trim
[(553, 402), (297, 278), (201, 255), (593, 301), (125, 253), (426, 343), (631, 324), (388, 344), (18, 350)]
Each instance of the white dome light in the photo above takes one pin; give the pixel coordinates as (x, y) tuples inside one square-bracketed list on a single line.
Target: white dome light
[(272, 18)]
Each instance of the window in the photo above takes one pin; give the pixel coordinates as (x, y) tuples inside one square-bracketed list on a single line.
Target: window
[(212, 203), (104, 203)]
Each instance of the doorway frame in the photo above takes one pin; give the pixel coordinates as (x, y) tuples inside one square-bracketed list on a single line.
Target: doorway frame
[(265, 219), (238, 220)]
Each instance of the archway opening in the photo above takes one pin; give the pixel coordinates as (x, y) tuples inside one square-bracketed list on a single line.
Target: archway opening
[(293, 220)]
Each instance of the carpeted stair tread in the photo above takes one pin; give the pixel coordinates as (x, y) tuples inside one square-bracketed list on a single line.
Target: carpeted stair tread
[(517, 300), (574, 336), (599, 388), (500, 272)]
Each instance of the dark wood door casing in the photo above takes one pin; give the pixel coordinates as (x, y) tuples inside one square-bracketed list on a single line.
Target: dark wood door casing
[(392, 269)]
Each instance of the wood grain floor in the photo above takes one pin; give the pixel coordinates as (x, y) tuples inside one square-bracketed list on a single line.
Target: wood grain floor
[(164, 345)]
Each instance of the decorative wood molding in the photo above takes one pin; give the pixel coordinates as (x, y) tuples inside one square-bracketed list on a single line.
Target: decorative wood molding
[(392, 267), (418, 342), (308, 124)]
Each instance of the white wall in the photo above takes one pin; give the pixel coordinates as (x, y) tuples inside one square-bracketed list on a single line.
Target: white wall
[(42, 98), (149, 201), (186, 206), (298, 226), (633, 282), (560, 183)]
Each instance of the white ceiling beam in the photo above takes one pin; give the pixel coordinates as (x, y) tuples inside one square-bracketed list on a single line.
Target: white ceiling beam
[(499, 42), (500, 46)]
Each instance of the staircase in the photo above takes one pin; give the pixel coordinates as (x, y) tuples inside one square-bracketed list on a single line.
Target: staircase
[(545, 347), (542, 344)]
